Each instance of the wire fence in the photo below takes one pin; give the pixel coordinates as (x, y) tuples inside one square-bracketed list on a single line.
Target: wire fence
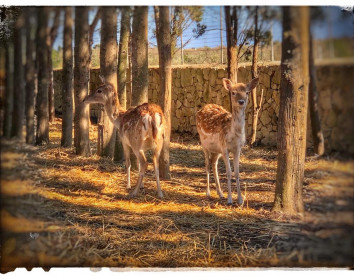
[(210, 48)]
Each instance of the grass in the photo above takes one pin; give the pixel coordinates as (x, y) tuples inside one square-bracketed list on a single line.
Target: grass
[(59, 209)]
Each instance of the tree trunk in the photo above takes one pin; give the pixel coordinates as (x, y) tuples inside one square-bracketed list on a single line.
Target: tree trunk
[(52, 36), (317, 135), (19, 88), (254, 70), (231, 35), (108, 65), (293, 110), (165, 59), (51, 109), (67, 96), (9, 88), (81, 81), (231, 42), (140, 71), (30, 74), (42, 133), (122, 71)]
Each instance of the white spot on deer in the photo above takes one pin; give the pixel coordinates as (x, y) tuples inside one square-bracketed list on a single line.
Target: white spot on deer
[(157, 120), (146, 120)]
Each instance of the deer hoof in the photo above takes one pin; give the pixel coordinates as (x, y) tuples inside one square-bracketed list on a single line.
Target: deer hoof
[(208, 193), (133, 193), (160, 195), (240, 201), (229, 201)]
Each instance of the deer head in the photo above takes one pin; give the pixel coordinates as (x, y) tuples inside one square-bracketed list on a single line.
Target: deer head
[(239, 91), (106, 95), (102, 95)]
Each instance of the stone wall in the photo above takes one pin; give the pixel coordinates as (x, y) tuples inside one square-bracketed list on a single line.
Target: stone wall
[(193, 87)]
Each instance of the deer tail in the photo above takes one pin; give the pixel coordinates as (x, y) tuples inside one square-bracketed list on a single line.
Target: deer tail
[(155, 124)]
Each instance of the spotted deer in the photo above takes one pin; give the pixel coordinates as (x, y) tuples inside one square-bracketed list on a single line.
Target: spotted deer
[(139, 128), (222, 132)]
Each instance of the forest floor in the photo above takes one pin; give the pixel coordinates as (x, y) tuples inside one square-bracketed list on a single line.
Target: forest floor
[(59, 209)]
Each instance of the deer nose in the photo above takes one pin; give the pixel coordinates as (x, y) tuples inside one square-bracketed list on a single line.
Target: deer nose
[(241, 102)]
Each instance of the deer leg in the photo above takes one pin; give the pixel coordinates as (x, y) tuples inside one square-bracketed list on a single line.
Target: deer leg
[(142, 168), (225, 156), (155, 159), (207, 169), (127, 163), (237, 174), (214, 163)]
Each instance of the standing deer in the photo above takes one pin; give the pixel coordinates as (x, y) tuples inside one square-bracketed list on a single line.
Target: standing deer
[(222, 132), (140, 128)]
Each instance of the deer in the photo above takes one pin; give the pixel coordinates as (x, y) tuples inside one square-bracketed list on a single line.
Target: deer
[(140, 128), (222, 132)]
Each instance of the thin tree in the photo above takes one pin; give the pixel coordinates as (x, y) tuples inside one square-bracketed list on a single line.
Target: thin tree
[(42, 133), (8, 17), (256, 106), (19, 88), (236, 36), (67, 95), (123, 55), (140, 72), (122, 70), (30, 73), (163, 33), (81, 81), (293, 110), (52, 36), (260, 34), (108, 68), (317, 134), (182, 19), (9, 101)]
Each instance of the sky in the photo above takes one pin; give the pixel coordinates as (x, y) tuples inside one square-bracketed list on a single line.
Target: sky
[(334, 25)]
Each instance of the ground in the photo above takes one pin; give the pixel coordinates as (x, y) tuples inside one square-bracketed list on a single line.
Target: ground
[(59, 209)]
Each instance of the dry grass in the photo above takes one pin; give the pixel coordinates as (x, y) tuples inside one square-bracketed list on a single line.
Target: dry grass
[(59, 209)]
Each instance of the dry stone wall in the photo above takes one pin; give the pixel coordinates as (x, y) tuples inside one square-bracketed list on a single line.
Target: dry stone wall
[(194, 87)]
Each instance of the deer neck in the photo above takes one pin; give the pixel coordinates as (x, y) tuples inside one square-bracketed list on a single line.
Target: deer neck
[(113, 112), (238, 120)]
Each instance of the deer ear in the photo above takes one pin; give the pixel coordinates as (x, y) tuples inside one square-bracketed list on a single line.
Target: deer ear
[(102, 79), (252, 84), (227, 83)]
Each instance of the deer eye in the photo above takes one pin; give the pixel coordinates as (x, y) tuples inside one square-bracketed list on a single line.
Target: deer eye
[(99, 91)]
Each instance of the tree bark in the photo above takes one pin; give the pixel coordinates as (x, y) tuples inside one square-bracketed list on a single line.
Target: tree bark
[(52, 36), (140, 71), (42, 133), (108, 65), (123, 55), (231, 42), (81, 81), (231, 39), (164, 47), (293, 110), (30, 74), (19, 88), (122, 71), (256, 106), (317, 135), (9, 88), (67, 96)]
